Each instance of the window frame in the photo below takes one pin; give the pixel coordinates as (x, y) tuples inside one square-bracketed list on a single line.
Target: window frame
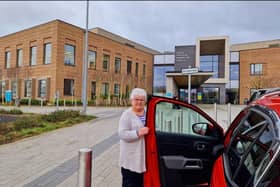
[(106, 63), (69, 92), (74, 55), (90, 66), (128, 67), (42, 88), (19, 57), (253, 68), (49, 54), (33, 55), (118, 65), (7, 59)]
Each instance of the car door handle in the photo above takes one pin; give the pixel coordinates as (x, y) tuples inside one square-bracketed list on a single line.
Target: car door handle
[(193, 164)]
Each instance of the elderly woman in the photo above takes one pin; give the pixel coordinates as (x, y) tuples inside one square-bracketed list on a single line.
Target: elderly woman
[(132, 142)]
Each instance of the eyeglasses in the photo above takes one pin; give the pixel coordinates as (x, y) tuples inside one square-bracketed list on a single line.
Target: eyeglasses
[(140, 100)]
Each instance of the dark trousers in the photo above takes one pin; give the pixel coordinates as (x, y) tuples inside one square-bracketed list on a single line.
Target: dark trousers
[(131, 179)]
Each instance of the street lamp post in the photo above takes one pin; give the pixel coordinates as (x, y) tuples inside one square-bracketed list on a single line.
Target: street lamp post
[(85, 66)]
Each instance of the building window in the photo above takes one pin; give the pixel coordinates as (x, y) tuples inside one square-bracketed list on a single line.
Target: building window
[(127, 91), (27, 88), (14, 89), (105, 89), (106, 60), (47, 53), (69, 54), (210, 63), (128, 67), (68, 87), (2, 89), (256, 69), (234, 56), (93, 90), (136, 69), (160, 79), (117, 65), (33, 55), (144, 70), (7, 59), (116, 89), (19, 58), (42, 88), (92, 59)]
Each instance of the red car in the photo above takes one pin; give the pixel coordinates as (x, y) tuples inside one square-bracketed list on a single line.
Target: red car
[(185, 147)]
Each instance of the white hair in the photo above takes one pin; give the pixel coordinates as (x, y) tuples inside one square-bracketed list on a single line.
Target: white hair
[(138, 92)]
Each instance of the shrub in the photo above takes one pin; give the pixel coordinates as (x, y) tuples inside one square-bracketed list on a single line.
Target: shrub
[(33, 101), (60, 115), (12, 111), (27, 122)]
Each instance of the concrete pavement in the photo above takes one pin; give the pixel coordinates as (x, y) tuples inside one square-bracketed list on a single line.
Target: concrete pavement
[(51, 159)]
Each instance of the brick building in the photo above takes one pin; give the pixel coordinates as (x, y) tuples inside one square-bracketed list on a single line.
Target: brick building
[(46, 61)]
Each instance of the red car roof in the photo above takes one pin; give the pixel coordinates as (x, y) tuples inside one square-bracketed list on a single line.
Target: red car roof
[(271, 100)]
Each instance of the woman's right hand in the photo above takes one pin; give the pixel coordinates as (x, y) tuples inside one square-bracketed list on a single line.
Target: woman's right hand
[(143, 131)]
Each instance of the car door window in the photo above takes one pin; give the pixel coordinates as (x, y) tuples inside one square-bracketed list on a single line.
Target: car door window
[(173, 118), (249, 145)]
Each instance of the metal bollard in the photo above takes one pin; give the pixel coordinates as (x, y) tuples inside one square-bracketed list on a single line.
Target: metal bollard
[(85, 164), (229, 114), (64, 103)]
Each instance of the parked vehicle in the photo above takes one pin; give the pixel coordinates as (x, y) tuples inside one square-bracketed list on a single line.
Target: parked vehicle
[(260, 92), (186, 147)]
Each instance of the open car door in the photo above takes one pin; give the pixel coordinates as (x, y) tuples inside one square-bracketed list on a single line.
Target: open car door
[(182, 144)]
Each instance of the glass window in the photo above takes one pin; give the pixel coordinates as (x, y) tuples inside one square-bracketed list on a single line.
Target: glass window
[(136, 69), (128, 67), (92, 59), (19, 58), (2, 88), (234, 56), (210, 63), (177, 119), (210, 95), (127, 91), (14, 89), (105, 89), (249, 145), (160, 79), (144, 70), (234, 71), (69, 54), (164, 59), (106, 61), (116, 89), (93, 90), (256, 69), (7, 59), (47, 53), (42, 88), (68, 87), (33, 55), (117, 65), (27, 88)]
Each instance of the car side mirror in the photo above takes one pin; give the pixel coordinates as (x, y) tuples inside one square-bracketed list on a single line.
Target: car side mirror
[(201, 128)]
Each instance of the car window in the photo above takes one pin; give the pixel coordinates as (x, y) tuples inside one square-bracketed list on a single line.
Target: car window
[(249, 145), (176, 118)]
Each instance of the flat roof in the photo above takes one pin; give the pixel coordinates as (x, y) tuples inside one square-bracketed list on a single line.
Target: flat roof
[(123, 40)]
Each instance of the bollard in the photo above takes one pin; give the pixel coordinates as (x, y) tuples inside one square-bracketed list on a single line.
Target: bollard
[(85, 164), (229, 114), (29, 101), (64, 103), (215, 111), (41, 103)]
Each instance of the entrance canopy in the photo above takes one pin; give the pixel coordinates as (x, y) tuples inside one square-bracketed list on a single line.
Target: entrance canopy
[(197, 79)]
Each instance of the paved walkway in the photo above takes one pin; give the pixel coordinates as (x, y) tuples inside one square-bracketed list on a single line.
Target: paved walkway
[(51, 159)]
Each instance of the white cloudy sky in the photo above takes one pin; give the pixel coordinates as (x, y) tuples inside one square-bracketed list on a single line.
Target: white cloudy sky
[(156, 24)]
